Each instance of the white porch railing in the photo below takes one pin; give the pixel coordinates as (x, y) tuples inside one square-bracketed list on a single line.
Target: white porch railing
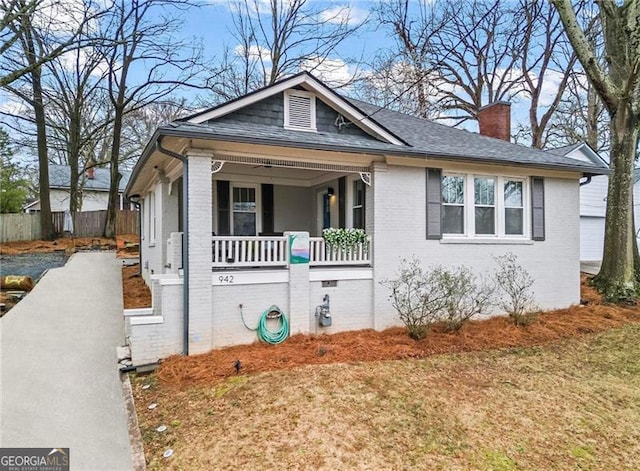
[(322, 254), (249, 251), (231, 251)]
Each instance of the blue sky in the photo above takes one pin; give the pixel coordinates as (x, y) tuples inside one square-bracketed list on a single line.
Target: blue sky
[(213, 23)]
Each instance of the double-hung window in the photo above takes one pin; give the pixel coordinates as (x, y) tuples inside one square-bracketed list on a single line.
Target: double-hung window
[(513, 207), (453, 204), (358, 204), (484, 206), (484, 202)]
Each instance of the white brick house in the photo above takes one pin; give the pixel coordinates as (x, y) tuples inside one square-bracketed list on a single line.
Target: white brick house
[(240, 179)]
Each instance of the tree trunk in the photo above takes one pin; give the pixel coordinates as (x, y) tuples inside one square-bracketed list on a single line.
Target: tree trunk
[(74, 161), (110, 223), (617, 277), (46, 223)]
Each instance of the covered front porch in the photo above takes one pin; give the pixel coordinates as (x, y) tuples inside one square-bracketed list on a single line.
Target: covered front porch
[(223, 233)]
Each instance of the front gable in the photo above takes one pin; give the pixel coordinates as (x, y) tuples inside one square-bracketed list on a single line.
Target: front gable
[(270, 111), (299, 103)]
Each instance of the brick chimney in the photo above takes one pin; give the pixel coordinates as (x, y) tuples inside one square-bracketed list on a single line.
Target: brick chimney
[(495, 120), (91, 170)]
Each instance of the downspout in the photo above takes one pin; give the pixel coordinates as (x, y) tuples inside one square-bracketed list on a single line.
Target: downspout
[(587, 181), (185, 239)]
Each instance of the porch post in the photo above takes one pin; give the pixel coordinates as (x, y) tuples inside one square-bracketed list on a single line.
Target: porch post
[(200, 254), (298, 282)]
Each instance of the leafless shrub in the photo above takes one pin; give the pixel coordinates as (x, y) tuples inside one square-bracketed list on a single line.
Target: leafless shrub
[(423, 297), (514, 282)]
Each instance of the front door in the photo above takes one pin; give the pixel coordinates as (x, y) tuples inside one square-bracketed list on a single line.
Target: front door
[(324, 212)]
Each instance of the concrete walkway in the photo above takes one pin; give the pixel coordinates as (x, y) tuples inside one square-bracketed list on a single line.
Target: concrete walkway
[(60, 385)]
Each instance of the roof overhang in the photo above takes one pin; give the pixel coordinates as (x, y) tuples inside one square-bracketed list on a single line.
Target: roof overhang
[(178, 141)]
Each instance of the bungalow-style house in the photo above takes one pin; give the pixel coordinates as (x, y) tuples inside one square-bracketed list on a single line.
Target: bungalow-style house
[(235, 198), (593, 201), (95, 189)]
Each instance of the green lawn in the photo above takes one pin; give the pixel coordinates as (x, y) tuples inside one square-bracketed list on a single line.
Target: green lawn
[(570, 405)]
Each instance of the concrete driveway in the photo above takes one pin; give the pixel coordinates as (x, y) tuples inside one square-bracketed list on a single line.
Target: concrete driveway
[(592, 268), (59, 382)]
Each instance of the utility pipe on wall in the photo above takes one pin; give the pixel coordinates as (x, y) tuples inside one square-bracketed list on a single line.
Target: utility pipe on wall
[(185, 239)]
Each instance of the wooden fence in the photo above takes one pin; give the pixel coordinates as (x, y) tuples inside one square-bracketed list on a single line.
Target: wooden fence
[(21, 226)]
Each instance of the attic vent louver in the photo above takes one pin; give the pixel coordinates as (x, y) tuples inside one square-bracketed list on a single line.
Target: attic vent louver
[(299, 110)]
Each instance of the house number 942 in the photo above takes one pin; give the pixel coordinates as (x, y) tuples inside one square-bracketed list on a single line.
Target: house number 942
[(225, 279)]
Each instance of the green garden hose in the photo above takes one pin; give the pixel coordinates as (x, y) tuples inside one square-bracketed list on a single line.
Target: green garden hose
[(264, 333)]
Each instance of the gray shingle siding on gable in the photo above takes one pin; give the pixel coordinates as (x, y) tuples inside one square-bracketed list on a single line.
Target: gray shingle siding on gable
[(269, 111), (326, 122)]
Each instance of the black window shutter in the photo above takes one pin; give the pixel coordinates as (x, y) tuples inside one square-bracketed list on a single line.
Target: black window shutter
[(342, 201), (267, 208), (224, 214), (434, 203), (537, 208)]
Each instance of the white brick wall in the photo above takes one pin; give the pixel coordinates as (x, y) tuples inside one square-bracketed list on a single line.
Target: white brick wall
[(399, 231), (397, 198), (227, 324), (200, 256), (151, 342), (349, 302)]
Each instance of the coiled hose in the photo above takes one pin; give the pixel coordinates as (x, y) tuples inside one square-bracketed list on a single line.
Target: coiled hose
[(265, 334)]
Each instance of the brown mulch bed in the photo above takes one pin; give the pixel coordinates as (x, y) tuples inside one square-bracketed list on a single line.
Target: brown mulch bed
[(135, 291), (394, 343), (71, 244)]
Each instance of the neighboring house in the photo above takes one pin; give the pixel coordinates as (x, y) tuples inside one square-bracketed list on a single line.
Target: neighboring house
[(593, 201), (253, 182), (95, 189)]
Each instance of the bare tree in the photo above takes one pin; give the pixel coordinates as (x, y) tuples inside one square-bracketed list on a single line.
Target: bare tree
[(618, 86), (477, 56), (280, 38), (27, 53), (76, 112), (580, 116), (545, 58), (407, 73), (58, 25), (145, 63)]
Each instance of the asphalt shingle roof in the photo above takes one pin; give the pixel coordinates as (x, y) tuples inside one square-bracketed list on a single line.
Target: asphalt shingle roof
[(424, 138), (60, 177), (433, 138)]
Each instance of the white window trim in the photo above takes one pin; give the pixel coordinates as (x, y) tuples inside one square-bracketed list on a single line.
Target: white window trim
[(258, 188), (300, 93), (469, 208)]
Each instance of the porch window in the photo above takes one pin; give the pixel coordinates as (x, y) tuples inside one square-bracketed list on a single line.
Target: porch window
[(358, 204), (244, 211), (453, 204)]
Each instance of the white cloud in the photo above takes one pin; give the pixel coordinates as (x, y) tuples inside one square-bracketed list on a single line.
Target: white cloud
[(255, 52), (334, 72), (343, 14), (11, 106), (81, 59), (61, 17)]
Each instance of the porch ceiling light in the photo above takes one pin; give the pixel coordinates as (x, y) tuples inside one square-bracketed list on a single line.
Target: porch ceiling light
[(330, 191)]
